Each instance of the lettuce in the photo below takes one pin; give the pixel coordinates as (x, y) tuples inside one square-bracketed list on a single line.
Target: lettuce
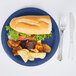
[(14, 34), (42, 36)]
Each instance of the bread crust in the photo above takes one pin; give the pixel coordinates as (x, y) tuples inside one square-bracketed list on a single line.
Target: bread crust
[(32, 24)]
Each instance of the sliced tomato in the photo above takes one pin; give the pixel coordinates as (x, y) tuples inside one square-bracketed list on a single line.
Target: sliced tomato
[(25, 38)]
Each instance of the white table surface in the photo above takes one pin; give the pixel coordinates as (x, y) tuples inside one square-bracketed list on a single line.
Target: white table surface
[(53, 67)]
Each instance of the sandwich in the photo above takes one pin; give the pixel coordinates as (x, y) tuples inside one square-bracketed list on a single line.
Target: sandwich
[(33, 29), (29, 27)]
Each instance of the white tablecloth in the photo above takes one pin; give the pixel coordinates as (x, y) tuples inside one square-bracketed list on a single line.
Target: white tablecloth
[(53, 67)]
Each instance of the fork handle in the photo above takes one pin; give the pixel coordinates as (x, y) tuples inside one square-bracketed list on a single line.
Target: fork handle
[(60, 47)]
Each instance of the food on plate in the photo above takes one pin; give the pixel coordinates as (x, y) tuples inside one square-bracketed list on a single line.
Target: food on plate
[(12, 43), (20, 37), (24, 53), (30, 27), (27, 55), (31, 44), (35, 50), (16, 49), (46, 48), (38, 55), (25, 34), (39, 47), (9, 37), (23, 44), (39, 42)]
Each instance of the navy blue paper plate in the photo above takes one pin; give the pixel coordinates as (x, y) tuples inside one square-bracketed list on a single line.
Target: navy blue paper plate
[(52, 41)]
